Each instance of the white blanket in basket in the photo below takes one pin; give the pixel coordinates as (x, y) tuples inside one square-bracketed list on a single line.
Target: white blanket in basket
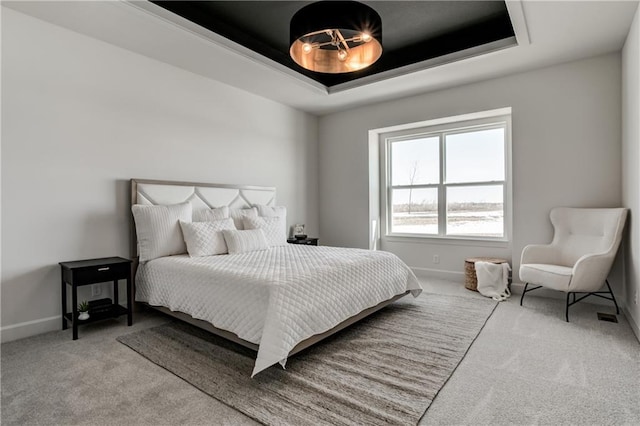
[(493, 280)]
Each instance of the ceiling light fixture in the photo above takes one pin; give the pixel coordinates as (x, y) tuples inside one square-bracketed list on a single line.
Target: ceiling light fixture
[(335, 36)]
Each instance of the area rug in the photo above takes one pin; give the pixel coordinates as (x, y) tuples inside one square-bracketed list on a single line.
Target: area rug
[(386, 369)]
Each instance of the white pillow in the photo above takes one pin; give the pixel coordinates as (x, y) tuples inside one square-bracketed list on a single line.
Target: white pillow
[(207, 215), (238, 214), (266, 211), (274, 228), (205, 238), (158, 229), (244, 241)]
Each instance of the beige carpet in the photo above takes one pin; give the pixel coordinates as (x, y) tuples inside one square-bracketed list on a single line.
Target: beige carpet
[(387, 369)]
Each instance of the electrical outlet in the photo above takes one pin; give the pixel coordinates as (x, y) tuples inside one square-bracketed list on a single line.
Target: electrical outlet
[(436, 258), (96, 289)]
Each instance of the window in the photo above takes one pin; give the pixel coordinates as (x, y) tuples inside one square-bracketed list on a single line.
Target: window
[(448, 180)]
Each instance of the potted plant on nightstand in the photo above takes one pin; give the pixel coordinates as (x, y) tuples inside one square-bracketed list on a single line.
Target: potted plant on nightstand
[(83, 308)]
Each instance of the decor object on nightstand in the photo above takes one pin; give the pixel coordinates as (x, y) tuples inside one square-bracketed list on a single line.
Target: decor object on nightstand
[(298, 230), (100, 305), (92, 271), (83, 309)]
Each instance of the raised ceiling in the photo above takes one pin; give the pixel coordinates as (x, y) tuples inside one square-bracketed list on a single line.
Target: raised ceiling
[(413, 32), (548, 33)]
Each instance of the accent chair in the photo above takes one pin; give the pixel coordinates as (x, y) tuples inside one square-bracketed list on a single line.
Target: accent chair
[(579, 258)]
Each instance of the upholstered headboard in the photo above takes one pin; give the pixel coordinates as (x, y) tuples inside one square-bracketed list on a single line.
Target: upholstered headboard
[(200, 195)]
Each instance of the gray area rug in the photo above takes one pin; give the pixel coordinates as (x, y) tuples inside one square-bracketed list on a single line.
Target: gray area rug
[(386, 369)]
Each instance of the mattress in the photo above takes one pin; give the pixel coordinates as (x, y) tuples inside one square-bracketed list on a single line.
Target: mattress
[(275, 298)]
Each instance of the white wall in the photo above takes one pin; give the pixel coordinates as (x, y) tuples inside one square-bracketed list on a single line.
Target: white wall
[(566, 142), (81, 117), (630, 166)]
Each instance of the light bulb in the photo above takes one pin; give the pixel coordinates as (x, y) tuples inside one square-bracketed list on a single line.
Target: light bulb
[(306, 48), (342, 55), (366, 37)]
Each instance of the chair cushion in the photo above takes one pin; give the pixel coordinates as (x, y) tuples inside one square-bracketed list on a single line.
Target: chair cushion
[(551, 276)]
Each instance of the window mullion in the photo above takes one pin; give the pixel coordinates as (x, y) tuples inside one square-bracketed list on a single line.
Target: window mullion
[(421, 186), (389, 213), (479, 183), (442, 194)]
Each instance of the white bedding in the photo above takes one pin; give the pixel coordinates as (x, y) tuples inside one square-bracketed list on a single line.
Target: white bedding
[(275, 298)]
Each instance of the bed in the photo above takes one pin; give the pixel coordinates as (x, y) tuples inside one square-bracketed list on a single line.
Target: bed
[(277, 301)]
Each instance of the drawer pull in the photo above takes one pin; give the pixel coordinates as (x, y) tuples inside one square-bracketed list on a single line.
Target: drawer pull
[(103, 269)]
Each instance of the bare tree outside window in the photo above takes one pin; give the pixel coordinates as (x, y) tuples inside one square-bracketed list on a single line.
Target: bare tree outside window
[(413, 174)]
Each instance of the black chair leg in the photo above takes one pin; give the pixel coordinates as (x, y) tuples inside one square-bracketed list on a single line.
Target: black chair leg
[(523, 292), (613, 297), (566, 311)]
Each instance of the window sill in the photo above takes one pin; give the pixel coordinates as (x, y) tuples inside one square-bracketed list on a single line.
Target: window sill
[(455, 241)]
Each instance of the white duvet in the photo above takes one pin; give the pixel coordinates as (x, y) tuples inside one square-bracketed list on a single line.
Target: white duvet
[(275, 298)]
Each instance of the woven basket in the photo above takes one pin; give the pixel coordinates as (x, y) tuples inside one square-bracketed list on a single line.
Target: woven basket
[(470, 279)]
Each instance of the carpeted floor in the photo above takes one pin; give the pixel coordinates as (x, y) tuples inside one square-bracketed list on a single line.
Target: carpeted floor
[(384, 370), (527, 366)]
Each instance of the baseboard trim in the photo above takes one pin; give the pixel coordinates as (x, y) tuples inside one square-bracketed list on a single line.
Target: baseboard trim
[(438, 273), (30, 328)]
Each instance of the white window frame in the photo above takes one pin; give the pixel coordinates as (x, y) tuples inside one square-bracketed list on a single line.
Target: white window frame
[(500, 118)]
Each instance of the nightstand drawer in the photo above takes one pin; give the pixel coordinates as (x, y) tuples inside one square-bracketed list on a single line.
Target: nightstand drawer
[(97, 273)]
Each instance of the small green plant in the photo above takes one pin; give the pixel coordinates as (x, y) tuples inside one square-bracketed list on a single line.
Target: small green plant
[(83, 306)]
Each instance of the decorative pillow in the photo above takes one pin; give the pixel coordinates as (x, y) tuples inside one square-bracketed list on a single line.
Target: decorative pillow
[(274, 228), (207, 215), (205, 238), (238, 214), (245, 241), (266, 211), (158, 229)]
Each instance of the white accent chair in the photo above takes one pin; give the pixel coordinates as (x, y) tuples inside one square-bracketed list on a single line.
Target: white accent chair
[(579, 258)]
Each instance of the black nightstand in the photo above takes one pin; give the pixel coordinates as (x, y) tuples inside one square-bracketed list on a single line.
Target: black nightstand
[(92, 271), (306, 241)]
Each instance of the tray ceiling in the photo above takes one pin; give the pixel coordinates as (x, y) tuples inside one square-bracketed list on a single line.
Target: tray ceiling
[(415, 33), (547, 33)]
